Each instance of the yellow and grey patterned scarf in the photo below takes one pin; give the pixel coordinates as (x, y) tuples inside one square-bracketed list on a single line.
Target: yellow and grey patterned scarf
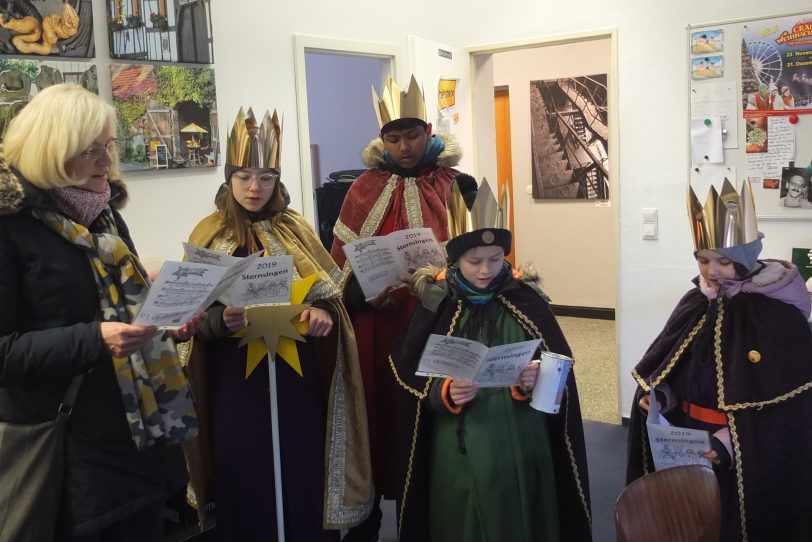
[(154, 391)]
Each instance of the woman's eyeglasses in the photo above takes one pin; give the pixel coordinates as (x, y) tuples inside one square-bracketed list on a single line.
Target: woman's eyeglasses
[(95, 153), (265, 180)]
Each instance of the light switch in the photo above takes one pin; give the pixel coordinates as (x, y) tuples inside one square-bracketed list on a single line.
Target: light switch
[(649, 223)]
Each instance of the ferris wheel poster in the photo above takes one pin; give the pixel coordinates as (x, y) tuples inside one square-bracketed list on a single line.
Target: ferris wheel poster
[(777, 66)]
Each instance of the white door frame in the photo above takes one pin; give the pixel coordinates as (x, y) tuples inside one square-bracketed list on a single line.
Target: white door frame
[(302, 44), (614, 153)]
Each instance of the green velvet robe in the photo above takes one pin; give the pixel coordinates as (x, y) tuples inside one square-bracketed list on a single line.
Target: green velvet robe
[(522, 475), (495, 481)]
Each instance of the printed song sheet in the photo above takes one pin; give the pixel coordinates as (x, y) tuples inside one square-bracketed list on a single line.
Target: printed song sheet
[(673, 446), (265, 282), (463, 359), (182, 289), (384, 261)]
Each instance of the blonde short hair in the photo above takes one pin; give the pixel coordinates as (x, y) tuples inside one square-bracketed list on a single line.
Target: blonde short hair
[(56, 125)]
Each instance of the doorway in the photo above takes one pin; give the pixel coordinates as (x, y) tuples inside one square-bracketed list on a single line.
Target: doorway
[(334, 103), (572, 244)]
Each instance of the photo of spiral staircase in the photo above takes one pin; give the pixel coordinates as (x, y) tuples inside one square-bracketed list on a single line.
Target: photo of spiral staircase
[(570, 138)]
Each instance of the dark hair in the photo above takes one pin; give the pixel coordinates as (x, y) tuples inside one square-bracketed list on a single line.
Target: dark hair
[(403, 124)]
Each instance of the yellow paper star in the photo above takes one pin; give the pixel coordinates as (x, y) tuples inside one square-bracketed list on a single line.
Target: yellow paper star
[(269, 323), (272, 329)]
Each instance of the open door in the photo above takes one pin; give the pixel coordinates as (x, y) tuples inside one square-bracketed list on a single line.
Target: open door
[(334, 104)]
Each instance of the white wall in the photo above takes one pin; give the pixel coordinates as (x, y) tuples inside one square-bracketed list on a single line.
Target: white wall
[(572, 244), (428, 67), (254, 54)]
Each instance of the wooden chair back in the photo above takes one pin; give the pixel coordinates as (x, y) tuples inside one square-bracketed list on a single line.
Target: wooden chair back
[(680, 504)]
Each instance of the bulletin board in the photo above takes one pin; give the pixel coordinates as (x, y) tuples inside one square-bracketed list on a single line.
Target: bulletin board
[(751, 110)]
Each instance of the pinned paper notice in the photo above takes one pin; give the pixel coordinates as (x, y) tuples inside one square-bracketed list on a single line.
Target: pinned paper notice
[(776, 151), (711, 98), (706, 141)]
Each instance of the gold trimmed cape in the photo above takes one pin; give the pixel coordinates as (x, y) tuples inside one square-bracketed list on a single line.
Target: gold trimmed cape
[(348, 491)]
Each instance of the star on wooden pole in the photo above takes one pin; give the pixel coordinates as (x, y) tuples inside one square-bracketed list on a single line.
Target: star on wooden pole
[(271, 328)]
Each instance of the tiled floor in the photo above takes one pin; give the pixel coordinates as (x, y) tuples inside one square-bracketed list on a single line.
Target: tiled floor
[(594, 348)]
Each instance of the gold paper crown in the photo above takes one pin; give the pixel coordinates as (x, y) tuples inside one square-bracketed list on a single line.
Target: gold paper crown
[(252, 145), (399, 105), (484, 213), (726, 220)]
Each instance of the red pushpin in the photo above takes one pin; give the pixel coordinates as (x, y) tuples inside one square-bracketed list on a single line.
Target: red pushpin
[(793, 119)]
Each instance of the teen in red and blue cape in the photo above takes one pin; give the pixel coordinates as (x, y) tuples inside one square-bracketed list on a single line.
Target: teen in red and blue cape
[(407, 186)]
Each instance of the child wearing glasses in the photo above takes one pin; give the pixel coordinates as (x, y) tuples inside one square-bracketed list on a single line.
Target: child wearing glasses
[(232, 462)]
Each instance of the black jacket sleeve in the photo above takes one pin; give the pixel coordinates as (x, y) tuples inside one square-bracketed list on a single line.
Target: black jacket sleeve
[(30, 356), (35, 355), (64, 345)]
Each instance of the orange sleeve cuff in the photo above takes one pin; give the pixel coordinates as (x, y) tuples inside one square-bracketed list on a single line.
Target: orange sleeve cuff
[(444, 393), (518, 395)]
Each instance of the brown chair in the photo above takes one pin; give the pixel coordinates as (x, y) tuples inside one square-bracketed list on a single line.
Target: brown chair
[(680, 504)]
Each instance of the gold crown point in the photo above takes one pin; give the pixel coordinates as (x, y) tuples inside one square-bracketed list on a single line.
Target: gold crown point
[(504, 208), (376, 103), (250, 118), (695, 217), (485, 209), (413, 100)]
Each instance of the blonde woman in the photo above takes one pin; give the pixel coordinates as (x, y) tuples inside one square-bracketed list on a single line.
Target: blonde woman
[(70, 281)]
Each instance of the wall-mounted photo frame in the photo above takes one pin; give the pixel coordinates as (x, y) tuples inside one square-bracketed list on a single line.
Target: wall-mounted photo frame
[(47, 28), (569, 138), (161, 30), (21, 80), (796, 189), (707, 41), (167, 116), (708, 67)]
